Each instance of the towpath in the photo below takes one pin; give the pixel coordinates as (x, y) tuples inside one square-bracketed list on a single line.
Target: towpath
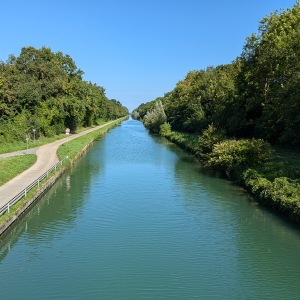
[(46, 158)]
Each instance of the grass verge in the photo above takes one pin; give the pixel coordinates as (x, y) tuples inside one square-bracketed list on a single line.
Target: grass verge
[(12, 166)]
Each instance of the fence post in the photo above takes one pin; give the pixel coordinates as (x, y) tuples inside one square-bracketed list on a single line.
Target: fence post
[(8, 208), (25, 192)]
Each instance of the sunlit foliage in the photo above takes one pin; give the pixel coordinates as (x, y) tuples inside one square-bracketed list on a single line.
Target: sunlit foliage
[(45, 91)]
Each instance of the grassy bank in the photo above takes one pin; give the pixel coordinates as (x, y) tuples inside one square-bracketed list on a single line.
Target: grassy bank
[(272, 180), (12, 166), (21, 145)]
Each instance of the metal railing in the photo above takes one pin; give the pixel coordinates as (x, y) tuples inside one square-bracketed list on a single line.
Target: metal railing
[(23, 193)]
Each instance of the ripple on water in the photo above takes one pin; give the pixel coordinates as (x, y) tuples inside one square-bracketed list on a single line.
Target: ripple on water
[(136, 219)]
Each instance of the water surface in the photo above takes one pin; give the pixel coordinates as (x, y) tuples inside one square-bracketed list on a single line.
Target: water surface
[(137, 218)]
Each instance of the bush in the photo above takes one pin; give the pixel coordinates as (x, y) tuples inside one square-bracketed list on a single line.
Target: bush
[(258, 185), (207, 140), (281, 194), (153, 119), (230, 154), (165, 129)]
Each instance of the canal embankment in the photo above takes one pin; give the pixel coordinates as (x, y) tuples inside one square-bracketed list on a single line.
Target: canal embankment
[(48, 155), (272, 181)]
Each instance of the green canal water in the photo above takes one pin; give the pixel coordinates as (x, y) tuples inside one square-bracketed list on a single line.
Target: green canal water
[(137, 218)]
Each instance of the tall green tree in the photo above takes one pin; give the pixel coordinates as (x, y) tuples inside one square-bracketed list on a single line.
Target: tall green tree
[(269, 79), (44, 90)]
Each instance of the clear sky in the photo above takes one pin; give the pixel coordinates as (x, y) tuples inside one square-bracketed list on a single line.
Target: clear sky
[(136, 50)]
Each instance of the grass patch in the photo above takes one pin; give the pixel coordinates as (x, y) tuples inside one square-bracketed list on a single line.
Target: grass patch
[(12, 166), (19, 145), (184, 140), (287, 155)]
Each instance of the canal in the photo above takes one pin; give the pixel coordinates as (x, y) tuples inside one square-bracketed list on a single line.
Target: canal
[(137, 218)]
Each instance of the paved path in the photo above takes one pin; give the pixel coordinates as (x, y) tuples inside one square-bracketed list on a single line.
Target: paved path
[(21, 152), (46, 158)]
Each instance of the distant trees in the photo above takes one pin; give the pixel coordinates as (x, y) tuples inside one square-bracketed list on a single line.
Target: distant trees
[(45, 90), (257, 95), (155, 118)]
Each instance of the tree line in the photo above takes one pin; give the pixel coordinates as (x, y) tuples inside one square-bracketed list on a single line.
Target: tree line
[(229, 115), (45, 91), (257, 95)]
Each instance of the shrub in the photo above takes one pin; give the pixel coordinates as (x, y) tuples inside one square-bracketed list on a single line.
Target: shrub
[(153, 119), (135, 115), (258, 185), (281, 194), (245, 153), (165, 129), (207, 140)]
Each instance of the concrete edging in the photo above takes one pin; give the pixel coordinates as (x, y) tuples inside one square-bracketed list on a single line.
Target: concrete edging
[(30, 201)]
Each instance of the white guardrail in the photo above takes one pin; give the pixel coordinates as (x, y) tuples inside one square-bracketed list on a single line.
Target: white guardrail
[(23, 193)]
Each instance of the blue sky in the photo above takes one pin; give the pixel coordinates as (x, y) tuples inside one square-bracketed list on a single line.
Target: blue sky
[(136, 50)]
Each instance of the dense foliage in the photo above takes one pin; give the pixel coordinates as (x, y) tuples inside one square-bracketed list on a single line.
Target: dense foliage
[(228, 115), (244, 153), (257, 95), (45, 91), (155, 118)]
